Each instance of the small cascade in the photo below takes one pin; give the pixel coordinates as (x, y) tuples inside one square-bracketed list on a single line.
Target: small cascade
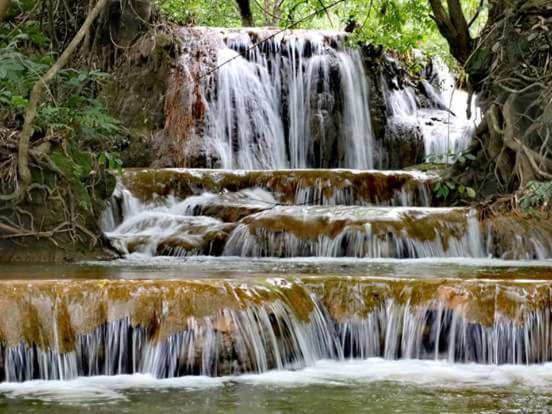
[(299, 187), (357, 232), (64, 329), (441, 119)]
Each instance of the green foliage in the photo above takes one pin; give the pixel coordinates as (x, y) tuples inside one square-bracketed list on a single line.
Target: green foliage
[(443, 189), (218, 13), (401, 25), (536, 195), (70, 116), (451, 157), (70, 108)]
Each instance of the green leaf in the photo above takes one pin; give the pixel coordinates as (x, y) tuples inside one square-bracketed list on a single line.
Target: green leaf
[(18, 101), (470, 192)]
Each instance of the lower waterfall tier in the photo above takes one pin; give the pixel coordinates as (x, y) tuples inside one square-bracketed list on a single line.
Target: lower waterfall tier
[(64, 329)]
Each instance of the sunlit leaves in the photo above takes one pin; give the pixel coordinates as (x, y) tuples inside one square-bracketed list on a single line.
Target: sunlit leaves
[(397, 24)]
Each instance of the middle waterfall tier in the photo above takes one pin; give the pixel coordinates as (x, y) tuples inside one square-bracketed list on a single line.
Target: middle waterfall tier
[(300, 213)]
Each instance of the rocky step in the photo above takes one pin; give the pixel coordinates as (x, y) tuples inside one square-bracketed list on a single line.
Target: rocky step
[(63, 329), (329, 231), (301, 186)]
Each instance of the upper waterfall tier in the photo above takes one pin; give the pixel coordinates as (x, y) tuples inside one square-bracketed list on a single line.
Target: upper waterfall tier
[(265, 99), (65, 329), (298, 100)]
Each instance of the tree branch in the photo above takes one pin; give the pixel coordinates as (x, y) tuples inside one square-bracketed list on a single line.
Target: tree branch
[(477, 13)]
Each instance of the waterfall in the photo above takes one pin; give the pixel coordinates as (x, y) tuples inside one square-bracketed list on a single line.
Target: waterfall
[(175, 328), (442, 121), (301, 213), (300, 99), (244, 128)]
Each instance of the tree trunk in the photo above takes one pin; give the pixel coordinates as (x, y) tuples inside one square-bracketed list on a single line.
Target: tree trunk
[(508, 67), (454, 27), (4, 6), (245, 13)]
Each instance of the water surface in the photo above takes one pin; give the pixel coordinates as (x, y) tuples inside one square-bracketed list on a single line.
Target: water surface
[(138, 266), (370, 386)]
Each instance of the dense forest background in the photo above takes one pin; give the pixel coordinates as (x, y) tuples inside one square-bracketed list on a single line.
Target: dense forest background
[(80, 84)]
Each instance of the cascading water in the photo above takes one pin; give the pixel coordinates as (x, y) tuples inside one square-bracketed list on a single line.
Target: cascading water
[(298, 100), (176, 328), (443, 121), (244, 127), (298, 213)]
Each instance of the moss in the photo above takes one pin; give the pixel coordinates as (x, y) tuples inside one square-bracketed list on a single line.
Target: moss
[(437, 168), (135, 94)]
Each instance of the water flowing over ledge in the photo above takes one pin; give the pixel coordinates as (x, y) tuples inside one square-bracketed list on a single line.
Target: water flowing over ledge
[(63, 329), (304, 99), (300, 99), (299, 186), (294, 213)]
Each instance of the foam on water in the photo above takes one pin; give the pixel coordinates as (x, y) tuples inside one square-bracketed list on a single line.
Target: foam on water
[(428, 374), (138, 259)]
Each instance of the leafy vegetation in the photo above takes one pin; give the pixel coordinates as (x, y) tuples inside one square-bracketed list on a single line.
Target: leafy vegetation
[(537, 195), (72, 139), (218, 13), (445, 188), (451, 157), (71, 110), (402, 25)]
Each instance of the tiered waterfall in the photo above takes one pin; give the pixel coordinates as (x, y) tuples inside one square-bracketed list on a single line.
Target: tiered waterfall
[(288, 147)]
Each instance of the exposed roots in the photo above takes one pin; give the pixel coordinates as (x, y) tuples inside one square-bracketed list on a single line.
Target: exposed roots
[(510, 69)]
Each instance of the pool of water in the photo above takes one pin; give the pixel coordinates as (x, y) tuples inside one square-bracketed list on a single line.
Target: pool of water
[(204, 267), (369, 386)]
